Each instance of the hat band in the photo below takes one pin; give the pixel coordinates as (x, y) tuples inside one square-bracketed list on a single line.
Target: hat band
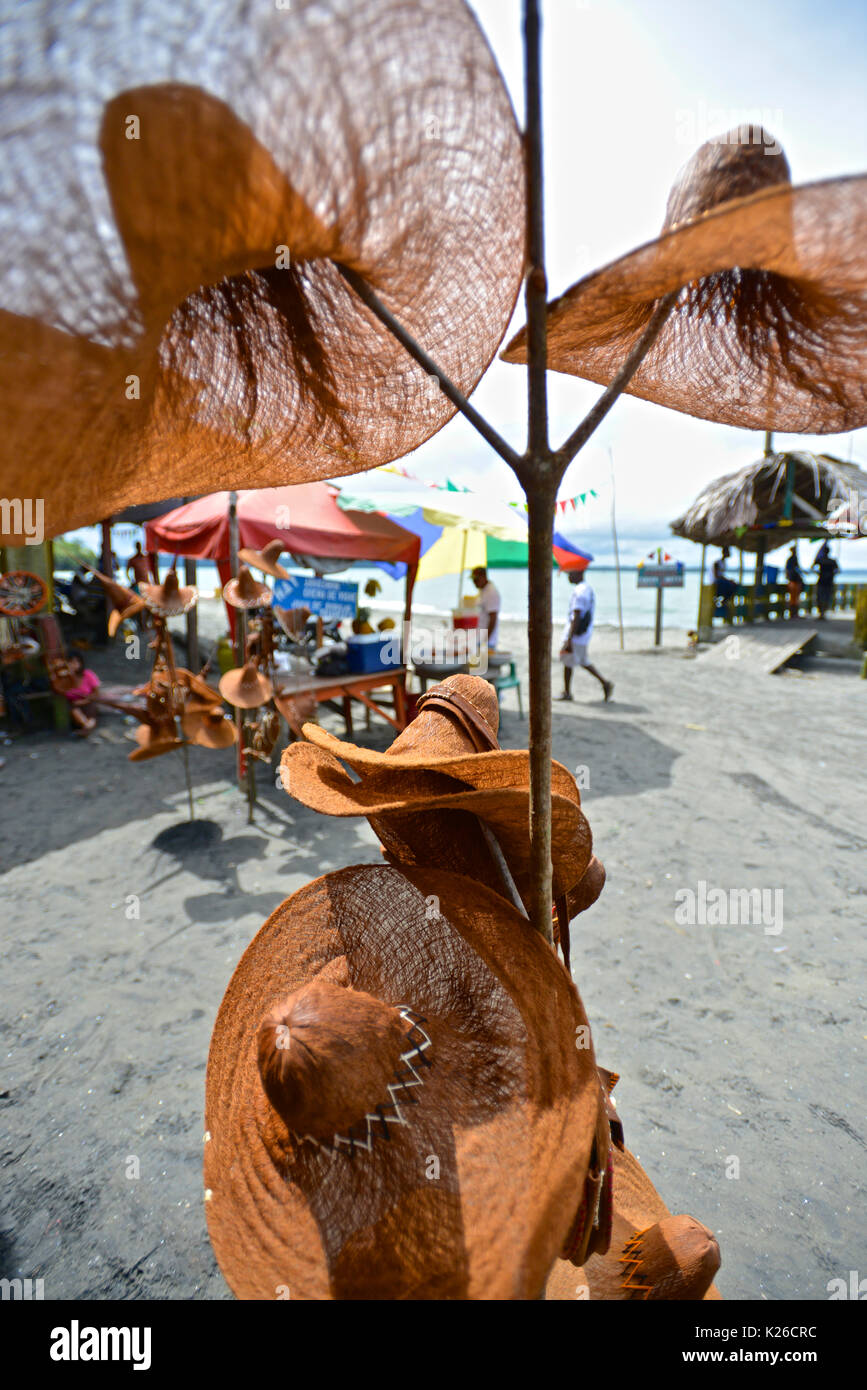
[(406, 1078), (472, 721)]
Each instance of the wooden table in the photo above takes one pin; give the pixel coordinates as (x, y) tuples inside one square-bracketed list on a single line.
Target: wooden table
[(347, 688)]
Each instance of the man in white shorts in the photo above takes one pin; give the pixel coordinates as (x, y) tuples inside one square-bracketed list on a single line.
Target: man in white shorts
[(575, 650)]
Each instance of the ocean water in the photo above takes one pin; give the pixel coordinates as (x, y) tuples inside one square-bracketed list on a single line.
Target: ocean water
[(439, 596)]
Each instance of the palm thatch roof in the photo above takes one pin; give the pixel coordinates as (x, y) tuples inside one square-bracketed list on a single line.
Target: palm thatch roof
[(747, 509)]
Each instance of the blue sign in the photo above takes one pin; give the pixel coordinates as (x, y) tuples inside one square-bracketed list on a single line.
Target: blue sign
[(329, 598)]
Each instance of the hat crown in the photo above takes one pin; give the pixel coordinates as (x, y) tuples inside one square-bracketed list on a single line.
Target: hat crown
[(431, 730), (247, 586), (327, 1054), (743, 161), (171, 585)]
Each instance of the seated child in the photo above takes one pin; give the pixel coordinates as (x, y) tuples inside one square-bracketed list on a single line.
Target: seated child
[(81, 695)]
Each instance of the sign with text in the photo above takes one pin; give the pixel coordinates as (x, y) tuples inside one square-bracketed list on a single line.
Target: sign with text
[(328, 598), (661, 576)]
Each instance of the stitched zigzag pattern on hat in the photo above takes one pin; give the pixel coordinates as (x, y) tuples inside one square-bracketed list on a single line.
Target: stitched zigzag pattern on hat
[(390, 1113), (633, 1259)]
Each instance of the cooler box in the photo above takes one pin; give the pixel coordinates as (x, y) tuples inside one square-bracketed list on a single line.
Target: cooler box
[(365, 653), (462, 619)]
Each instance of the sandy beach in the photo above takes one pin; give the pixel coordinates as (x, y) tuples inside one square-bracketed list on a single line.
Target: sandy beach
[(737, 1044)]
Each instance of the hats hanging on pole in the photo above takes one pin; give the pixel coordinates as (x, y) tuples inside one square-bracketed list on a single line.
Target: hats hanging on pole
[(424, 794), (770, 328)]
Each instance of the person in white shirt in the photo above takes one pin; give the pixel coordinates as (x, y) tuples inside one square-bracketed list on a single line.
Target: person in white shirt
[(488, 604), (575, 650)]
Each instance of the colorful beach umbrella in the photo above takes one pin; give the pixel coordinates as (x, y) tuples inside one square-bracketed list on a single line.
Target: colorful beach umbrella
[(569, 556)]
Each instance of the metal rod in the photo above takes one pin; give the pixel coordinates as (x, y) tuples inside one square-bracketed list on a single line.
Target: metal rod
[(578, 438), (185, 750), (448, 388), (616, 550)]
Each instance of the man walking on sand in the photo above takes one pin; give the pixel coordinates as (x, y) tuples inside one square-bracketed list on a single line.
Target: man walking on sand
[(575, 650)]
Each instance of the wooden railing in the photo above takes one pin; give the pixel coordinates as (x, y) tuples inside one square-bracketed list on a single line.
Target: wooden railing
[(772, 603)]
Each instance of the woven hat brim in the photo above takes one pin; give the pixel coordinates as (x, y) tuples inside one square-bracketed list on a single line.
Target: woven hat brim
[(498, 768), (257, 561), (811, 234), (261, 599), (182, 603), (317, 779), (637, 1205), (508, 1107), (231, 692), (154, 750), (298, 381)]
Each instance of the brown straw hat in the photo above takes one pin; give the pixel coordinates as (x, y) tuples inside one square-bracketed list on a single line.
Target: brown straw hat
[(195, 332), (125, 602), (266, 559), (169, 599), (153, 739), (424, 795), (769, 330), (208, 728), (395, 1104), (246, 592), (652, 1254), (245, 687)]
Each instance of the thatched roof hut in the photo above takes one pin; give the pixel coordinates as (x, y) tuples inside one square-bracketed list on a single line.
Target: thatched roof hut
[(779, 499)]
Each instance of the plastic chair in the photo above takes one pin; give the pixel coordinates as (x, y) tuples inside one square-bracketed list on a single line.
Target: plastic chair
[(509, 681)]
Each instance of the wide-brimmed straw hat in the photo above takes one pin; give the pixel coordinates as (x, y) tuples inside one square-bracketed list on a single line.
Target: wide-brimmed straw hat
[(652, 1254), (245, 687), (246, 592), (769, 330), (425, 795), (395, 1104), (203, 219), (266, 559), (208, 728), (169, 599)]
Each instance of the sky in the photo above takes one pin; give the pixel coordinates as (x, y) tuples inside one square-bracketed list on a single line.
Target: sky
[(631, 88)]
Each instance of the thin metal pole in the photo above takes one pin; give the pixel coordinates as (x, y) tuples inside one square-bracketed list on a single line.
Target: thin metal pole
[(616, 550), (185, 749), (448, 388)]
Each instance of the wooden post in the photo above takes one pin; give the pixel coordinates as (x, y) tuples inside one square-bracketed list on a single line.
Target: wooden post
[(540, 483), (657, 639), (698, 621), (757, 581)]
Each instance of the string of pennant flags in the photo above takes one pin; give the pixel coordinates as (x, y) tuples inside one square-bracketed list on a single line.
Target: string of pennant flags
[(563, 504)]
